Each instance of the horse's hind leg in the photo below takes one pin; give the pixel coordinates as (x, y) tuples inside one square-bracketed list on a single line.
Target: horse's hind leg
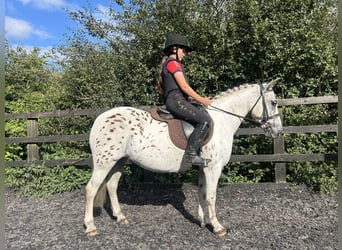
[(98, 176), (112, 186)]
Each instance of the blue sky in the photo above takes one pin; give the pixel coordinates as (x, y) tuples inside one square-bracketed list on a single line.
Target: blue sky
[(42, 23)]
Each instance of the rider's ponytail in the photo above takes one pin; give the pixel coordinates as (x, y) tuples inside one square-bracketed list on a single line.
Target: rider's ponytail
[(160, 79)]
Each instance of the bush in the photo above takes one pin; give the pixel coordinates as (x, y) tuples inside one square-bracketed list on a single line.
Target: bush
[(43, 181), (320, 177)]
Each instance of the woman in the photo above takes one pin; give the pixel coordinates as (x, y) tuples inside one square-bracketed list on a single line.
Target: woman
[(177, 92)]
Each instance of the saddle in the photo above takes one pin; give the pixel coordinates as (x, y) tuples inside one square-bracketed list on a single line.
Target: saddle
[(179, 130)]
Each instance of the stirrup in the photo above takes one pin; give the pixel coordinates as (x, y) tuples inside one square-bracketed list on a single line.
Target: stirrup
[(187, 163), (198, 161), (201, 162)]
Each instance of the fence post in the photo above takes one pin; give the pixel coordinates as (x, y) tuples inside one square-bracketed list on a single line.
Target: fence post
[(32, 131), (279, 148)]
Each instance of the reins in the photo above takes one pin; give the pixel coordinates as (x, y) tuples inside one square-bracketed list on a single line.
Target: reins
[(237, 115)]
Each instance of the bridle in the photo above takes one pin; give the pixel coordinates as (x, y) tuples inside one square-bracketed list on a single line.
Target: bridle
[(266, 116)]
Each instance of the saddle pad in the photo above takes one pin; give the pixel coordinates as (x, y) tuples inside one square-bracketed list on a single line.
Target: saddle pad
[(176, 131)]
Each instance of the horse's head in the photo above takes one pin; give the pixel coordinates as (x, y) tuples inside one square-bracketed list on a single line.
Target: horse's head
[(266, 111)]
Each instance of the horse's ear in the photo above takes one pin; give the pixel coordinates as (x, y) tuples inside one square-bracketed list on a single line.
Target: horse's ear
[(271, 84)]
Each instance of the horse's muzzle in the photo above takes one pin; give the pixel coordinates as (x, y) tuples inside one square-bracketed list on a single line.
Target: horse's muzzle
[(271, 131)]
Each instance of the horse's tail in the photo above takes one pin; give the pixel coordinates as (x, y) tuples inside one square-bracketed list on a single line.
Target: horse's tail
[(101, 195)]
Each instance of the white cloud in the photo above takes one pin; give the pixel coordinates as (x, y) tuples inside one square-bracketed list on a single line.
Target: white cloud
[(103, 13), (46, 4), (41, 33), (17, 28), (21, 29), (103, 9)]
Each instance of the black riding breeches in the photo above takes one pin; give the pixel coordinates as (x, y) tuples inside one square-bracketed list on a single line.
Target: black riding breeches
[(184, 110)]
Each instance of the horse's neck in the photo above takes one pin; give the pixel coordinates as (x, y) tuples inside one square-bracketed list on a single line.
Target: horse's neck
[(238, 102)]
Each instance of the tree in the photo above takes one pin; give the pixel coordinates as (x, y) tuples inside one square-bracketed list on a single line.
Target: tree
[(29, 87), (90, 75), (28, 81)]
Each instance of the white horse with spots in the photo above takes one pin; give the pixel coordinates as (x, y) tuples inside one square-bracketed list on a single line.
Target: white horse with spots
[(127, 133)]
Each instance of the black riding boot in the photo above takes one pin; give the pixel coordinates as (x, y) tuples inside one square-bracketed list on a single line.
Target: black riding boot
[(191, 155)]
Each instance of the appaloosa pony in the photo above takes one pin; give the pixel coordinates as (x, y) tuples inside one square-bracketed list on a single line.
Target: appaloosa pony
[(127, 133)]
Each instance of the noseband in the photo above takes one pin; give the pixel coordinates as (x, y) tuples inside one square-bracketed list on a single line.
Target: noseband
[(262, 121)]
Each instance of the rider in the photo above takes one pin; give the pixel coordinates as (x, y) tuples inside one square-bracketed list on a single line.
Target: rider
[(172, 83)]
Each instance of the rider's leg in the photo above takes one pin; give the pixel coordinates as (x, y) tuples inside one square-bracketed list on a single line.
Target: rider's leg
[(200, 119), (192, 152)]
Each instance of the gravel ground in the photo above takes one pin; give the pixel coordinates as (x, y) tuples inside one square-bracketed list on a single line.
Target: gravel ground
[(163, 217)]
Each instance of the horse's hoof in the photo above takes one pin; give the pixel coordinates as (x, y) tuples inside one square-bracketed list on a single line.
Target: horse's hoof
[(92, 233), (221, 233), (124, 221)]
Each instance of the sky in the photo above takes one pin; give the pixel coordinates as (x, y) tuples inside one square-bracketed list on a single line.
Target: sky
[(42, 23)]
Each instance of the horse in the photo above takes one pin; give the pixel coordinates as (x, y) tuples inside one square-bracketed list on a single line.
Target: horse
[(126, 133)]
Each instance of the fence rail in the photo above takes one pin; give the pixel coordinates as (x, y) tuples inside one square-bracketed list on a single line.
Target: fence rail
[(279, 157)]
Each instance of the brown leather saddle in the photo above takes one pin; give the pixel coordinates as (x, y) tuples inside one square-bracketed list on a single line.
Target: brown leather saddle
[(179, 130)]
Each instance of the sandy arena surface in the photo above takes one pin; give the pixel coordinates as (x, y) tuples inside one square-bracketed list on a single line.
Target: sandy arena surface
[(164, 217)]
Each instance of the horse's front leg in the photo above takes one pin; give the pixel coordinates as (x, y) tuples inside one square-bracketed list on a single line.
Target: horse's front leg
[(201, 196), (208, 196)]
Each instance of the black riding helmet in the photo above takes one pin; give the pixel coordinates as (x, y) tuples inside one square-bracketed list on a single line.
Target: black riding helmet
[(176, 40)]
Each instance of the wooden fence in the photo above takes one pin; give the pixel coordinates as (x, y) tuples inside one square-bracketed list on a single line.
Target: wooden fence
[(279, 157)]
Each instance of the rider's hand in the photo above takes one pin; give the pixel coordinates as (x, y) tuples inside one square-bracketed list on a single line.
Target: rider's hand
[(206, 101)]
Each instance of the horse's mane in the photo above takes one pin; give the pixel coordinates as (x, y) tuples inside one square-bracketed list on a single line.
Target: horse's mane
[(232, 90)]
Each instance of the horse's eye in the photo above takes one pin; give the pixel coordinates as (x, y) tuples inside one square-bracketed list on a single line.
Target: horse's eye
[(274, 102)]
